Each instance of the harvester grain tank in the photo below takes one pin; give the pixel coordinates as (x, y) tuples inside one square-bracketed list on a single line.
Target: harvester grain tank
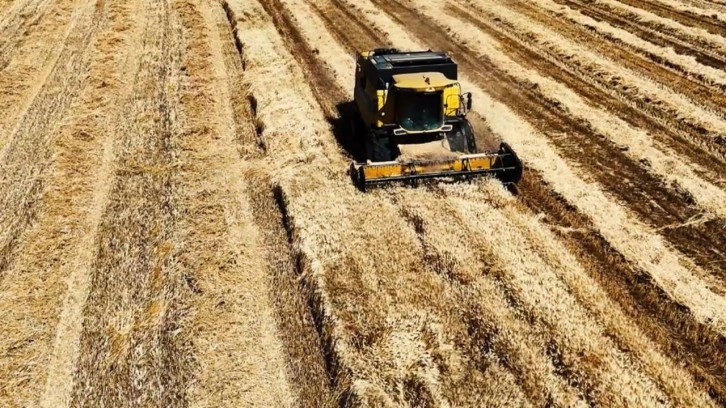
[(412, 100)]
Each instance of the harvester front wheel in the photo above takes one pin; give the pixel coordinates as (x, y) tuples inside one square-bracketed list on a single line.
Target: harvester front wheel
[(378, 149), (461, 138)]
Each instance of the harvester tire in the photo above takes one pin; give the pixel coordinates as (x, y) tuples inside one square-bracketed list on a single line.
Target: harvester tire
[(379, 148), (469, 136), (461, 138)]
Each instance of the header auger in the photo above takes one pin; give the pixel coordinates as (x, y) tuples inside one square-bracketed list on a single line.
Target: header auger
[(412, 101)]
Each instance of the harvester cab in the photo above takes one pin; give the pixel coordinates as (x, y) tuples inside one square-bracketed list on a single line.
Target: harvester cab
[(411, 118)]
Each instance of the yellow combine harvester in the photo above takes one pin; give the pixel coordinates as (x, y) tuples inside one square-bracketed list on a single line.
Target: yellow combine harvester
[(411, 117)]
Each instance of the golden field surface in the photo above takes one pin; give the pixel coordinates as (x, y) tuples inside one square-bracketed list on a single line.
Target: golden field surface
[(178, 228)]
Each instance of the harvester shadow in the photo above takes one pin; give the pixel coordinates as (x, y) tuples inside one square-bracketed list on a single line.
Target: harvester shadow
[(345, 127)]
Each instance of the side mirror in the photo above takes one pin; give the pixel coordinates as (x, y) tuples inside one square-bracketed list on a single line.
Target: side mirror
[(468, 102)]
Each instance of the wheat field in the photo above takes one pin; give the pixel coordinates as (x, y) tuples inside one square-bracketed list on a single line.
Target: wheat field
[(178, 227)]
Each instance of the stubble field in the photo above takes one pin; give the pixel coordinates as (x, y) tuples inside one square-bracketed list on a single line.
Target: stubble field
[(178, 228)]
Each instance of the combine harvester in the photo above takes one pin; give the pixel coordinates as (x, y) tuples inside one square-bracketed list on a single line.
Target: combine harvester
[(411, 117)]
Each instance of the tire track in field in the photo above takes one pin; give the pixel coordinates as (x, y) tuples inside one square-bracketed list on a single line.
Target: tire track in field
[(643, 300), (666, 72), (133, 348), (713, 26), (683, 44), (654, 202), (23, 163)]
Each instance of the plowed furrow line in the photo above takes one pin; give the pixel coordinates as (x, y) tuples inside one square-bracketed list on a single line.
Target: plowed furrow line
[(703, 51), (132, 349), (684, 17), (602, 90), (23, 164), (665, 72), (647, 304), (630, 182)]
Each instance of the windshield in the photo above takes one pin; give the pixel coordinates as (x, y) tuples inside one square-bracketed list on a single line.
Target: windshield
[(419, 111)]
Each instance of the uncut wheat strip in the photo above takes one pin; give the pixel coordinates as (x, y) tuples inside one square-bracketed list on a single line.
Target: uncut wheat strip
[(118, 56), (34, 289), (640, 146), (634, 240), (601, 65), (24, 77), (615, 379), (239, 339), (673, 379), (523, 345), (299, 141), (688, 63), (713, 40), (287, 103)]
